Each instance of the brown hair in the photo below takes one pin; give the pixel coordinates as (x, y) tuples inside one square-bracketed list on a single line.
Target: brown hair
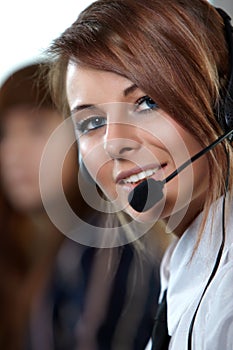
[(26, 86), (174, 50)]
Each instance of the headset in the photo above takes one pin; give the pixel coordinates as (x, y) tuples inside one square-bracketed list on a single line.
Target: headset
[(224, 115), (226, 121), (149, 192), (226, 109)]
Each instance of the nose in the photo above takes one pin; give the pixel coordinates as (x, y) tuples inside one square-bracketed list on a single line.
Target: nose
[(120, 141)]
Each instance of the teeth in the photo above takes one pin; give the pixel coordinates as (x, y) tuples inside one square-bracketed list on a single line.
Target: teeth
[(140, 176)]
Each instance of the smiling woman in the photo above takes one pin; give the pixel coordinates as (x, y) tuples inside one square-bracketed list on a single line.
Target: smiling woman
[(149, 85), (103, 130)]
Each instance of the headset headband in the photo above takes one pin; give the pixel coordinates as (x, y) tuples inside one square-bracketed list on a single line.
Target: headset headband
[(227, 108)]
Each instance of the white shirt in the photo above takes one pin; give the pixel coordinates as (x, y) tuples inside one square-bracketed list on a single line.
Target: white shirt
[(185, 279)]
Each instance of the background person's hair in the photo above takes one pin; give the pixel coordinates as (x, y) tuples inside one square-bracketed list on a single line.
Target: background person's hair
[(175, 51), (27, 86)]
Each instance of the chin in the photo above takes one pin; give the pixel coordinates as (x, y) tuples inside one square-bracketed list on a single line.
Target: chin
[(148, 217)]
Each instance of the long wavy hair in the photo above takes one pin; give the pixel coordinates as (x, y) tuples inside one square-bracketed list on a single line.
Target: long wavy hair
[(174, 50)]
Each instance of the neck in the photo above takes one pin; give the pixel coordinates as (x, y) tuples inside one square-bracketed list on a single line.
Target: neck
[(188, 214)]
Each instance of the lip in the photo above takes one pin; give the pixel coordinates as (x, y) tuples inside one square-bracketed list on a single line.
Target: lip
[(134, 171)]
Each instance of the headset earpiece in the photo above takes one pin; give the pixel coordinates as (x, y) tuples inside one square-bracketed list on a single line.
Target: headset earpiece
[(226, 109)]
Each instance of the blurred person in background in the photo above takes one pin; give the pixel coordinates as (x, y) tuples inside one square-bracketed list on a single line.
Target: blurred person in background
[(56, 293), (29, 241)]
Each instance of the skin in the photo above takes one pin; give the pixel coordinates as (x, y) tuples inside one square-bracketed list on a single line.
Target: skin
[(131, 134), (25, 132)]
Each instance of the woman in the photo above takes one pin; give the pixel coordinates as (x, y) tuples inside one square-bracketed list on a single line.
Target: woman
[(56, 293), (29, 241), (146, 84)]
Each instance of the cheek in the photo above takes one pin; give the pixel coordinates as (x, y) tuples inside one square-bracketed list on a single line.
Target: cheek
[(105, 181), (189, 186), (101, 172), (98, 164), (166, 135)]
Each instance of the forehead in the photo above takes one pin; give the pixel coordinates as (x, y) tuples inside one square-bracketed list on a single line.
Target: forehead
[(23, 116), (17, 114), (88, 85)]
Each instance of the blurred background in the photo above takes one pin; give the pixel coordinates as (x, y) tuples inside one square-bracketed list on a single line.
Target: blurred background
[(27, 27)]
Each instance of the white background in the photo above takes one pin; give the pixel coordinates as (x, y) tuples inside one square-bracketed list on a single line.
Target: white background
[(27, 27)]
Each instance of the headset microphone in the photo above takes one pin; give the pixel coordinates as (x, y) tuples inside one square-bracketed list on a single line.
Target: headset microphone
[(150, 192)]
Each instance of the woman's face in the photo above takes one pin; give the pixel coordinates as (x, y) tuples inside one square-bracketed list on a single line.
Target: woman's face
[(24, 134), (124, 138)]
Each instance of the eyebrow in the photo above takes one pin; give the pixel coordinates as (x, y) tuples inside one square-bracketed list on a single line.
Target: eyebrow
[(129, 90), (81, 108)]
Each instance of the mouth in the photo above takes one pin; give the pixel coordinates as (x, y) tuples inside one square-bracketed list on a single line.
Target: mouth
[(140, 176)]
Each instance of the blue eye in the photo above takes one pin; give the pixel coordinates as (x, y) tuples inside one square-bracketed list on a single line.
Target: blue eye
[(145, 104), (91, 123)]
